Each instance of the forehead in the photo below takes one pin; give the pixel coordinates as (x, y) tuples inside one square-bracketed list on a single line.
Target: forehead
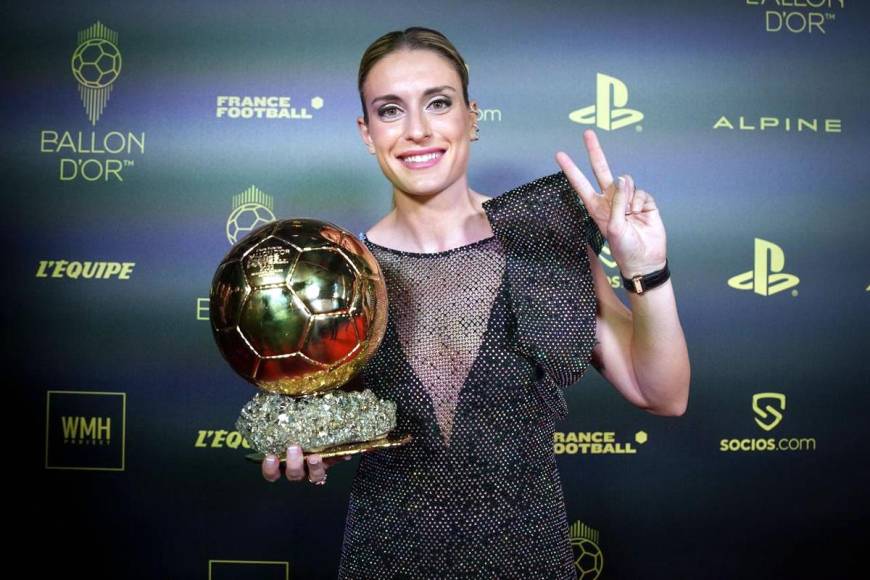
[(410, 71)]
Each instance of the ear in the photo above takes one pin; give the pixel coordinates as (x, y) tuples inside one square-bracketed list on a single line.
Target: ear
[(364, 132), (472, 105)]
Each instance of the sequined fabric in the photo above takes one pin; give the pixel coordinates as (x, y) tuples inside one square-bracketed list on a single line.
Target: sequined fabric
[(479, 344)]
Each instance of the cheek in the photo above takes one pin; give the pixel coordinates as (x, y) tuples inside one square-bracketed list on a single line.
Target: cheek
[(453, 126), (460, 155), (386, 138)]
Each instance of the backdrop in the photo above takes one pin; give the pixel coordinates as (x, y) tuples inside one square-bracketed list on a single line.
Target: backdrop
[(140, 140)]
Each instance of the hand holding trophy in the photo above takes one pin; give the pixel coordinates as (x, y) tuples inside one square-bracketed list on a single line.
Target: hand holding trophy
[(297, 307)]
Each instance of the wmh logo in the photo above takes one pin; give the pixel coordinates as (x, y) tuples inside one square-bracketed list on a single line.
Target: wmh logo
[(85, 430)]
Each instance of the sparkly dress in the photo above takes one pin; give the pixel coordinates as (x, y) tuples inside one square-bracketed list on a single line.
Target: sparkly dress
[(480, 342)]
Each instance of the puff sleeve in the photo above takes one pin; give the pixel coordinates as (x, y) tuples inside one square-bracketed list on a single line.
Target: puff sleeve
[(543, 227)]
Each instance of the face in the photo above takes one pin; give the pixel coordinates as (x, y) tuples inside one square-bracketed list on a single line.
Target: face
[(415, 105)]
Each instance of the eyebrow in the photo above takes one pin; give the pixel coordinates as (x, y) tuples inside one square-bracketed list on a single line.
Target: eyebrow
[(426, 93)]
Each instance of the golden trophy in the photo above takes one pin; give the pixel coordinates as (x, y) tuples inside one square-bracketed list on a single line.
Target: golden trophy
[(297, 307)]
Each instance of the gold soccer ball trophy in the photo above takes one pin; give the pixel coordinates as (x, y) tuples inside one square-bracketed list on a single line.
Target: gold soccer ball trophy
[(297, 307)]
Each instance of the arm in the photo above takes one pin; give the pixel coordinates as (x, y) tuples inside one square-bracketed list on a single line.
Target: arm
[(642, 352)]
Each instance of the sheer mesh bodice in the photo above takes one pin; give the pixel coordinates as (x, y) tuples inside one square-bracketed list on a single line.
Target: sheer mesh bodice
[(476, 494), (441, 316)]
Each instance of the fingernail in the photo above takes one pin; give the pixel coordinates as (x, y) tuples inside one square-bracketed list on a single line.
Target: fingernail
[(620, 183), (294, 450), (314, 461), (270, 460)]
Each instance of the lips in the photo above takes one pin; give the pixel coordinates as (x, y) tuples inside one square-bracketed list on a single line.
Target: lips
[(420, 152), (430, 157)]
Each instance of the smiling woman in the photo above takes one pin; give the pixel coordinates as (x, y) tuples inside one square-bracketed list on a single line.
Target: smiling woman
[(496, 305), (418, 121)]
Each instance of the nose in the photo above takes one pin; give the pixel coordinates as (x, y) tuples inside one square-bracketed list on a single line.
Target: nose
[(417, 127)]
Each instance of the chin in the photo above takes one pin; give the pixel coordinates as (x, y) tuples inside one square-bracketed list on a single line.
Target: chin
[(421, 186)]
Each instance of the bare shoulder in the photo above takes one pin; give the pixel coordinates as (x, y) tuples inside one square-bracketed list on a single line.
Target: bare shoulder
[(479, 199), (380, 232), (485, 226)]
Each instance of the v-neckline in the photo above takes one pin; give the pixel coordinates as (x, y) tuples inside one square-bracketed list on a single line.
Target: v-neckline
[(431, 419)]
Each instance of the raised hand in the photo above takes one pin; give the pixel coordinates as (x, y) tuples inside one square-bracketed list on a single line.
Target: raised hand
[(627, 217)]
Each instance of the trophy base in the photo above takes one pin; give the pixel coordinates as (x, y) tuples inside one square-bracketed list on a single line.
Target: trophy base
[(334, 423), (388, 440)]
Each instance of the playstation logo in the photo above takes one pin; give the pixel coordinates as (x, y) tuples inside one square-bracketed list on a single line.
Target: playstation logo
[(766, 276), (608, 112)]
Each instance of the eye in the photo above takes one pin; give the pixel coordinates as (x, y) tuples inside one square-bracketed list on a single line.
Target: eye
[(444, 101), (383, 111)]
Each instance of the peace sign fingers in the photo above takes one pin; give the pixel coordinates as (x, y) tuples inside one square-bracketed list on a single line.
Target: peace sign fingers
[(597, 160), (596, 204)]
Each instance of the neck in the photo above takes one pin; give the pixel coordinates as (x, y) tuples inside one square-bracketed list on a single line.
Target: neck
[(440, 220)]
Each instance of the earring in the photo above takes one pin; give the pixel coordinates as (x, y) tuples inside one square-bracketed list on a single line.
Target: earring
[(476, 135)]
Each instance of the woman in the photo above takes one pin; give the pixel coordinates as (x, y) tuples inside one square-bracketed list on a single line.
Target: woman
[(496, 306)]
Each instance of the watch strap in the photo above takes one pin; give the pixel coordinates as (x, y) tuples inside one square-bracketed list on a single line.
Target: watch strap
[(641, 283)]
